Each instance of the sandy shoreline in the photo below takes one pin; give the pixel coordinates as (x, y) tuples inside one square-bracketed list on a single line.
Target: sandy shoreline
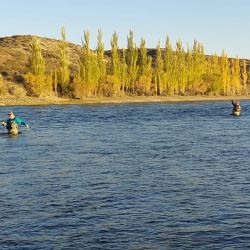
[(14, 101)]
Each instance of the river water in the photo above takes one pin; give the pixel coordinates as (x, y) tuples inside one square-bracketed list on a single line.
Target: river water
[(130, 176)]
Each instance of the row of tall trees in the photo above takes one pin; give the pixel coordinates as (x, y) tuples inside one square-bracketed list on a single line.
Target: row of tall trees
[(133, 71)]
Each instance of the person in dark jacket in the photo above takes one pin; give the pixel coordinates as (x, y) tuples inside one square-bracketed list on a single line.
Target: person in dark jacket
[(12, 124), (236, 107)]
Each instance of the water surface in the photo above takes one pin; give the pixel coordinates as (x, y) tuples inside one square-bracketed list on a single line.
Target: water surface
[(130, 176)]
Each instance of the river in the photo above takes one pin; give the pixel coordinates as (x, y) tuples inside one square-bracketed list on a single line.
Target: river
[(127, 176)]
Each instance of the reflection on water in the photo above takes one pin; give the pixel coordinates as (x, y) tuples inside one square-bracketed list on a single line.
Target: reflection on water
[(137, 176)]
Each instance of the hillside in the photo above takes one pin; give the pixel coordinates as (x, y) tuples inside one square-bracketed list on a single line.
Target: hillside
[(14, 55), (14, 63)]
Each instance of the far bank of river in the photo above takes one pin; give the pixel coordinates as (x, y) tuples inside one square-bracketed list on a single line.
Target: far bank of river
[(13, 101)]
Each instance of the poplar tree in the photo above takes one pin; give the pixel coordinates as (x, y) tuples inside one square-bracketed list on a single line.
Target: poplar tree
[(199, 68), (36, 78), (145, 70), (55, 80), (64, 73), (114, 79), (88, 76), (49, 82), (100, 60), (190, 71), (225, 73), (215, 65), (244, 75), (168, 67), (181, 68), (235, 77), (159, 73), (115, 61), (175, 71), (94, 73), (142, 58), (81, 79), (214, 82), (131, 59), (37, 61), (123, 71)]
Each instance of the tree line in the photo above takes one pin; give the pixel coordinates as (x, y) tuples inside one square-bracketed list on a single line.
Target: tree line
[(132, 71)]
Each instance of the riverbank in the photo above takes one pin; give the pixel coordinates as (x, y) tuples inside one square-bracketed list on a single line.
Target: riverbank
[(14, 101)]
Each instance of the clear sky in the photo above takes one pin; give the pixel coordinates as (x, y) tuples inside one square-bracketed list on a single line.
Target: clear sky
[(217, 24)]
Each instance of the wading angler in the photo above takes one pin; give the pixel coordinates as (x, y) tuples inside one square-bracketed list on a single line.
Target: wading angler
[(12, 124)]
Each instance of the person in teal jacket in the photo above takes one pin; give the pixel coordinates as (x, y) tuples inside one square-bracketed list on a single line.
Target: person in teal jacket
[(12, 124)]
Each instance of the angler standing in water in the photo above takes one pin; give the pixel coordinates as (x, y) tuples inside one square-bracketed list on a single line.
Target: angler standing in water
[(12, 124), (236, 108)]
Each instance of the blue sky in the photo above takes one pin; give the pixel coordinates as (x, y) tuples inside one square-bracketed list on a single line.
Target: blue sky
[(217, 24)]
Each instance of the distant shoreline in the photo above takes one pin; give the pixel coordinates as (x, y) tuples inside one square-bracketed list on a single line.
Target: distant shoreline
[(26, 101)]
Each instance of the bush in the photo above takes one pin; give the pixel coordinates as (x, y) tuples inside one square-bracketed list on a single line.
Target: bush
[(17, 90), (112, 86), (143, 85), (3, 87), (38, 85), (80, 88)]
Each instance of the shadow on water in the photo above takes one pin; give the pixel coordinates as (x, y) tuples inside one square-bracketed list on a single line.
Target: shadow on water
[(6, 134)]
